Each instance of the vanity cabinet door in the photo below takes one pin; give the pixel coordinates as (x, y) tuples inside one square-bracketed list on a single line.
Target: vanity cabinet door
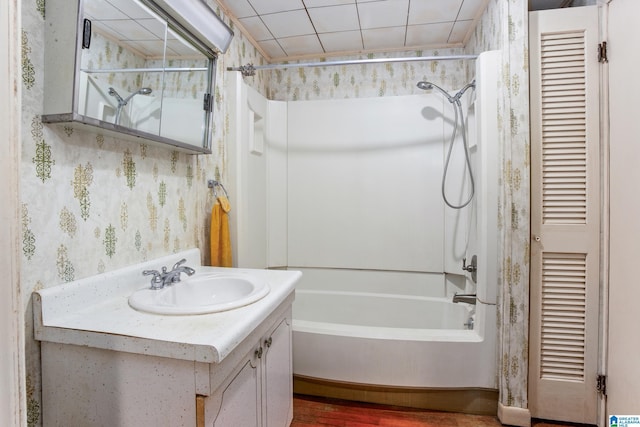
[(278, 377), (241, 399), (260, 393)]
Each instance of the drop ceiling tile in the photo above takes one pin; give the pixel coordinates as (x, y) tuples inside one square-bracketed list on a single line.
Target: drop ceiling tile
[(272, 48), (288, 24), (156, 27), (385, 13), (471, 8), (179, 47), (275, 6), (102, 9), (334, 18), (321, 3), (150, 48), (98, 26), (422, 12), (342, 41), (384, 38), (132, 9), (256, 28), (301, 45), (240, 8), (429, 34), (460, 30), (129, 30), (172, 35), (294, 18)]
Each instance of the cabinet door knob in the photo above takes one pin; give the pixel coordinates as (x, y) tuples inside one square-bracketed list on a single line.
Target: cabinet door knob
[(258, 353), (268, 342)]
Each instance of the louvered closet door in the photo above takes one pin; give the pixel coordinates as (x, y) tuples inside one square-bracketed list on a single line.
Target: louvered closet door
[(565, 214)]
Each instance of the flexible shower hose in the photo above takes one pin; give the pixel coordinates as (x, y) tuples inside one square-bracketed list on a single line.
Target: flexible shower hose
[(457, 107)]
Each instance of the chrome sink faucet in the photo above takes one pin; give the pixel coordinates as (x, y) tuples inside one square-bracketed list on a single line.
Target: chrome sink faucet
[(165, 278)]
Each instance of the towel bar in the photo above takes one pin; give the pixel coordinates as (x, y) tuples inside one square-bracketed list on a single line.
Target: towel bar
[(212, 183)]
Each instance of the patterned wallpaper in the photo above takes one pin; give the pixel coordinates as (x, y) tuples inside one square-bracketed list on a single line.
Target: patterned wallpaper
[(368, 80), (504, 26), (93, 203)]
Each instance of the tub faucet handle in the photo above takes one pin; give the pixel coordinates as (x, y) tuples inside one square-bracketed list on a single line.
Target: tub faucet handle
[(471, 267)]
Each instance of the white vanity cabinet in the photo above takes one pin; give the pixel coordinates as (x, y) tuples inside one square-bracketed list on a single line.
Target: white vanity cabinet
[(260, 390), (88, 386), (106, 364)]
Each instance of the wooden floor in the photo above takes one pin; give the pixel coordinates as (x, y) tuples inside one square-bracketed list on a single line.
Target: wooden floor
[(319, 412)]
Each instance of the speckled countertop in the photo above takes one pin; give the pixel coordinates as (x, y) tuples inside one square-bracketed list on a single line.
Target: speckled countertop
[(95, 312)]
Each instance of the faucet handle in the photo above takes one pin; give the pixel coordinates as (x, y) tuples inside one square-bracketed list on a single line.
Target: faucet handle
[(156, 280), (471, 267)]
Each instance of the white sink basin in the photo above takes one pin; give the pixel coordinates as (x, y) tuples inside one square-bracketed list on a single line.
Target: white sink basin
[(201, 294)]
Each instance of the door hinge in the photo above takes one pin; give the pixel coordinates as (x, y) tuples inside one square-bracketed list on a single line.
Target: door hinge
[(601, 384), (602, 52)]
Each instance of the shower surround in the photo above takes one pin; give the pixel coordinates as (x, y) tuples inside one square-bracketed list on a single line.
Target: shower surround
[(359, 210)]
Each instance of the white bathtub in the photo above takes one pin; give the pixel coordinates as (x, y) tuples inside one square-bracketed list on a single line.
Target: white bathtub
[(401, 334)]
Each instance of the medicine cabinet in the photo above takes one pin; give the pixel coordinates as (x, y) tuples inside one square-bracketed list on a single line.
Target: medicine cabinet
[(134, 68)]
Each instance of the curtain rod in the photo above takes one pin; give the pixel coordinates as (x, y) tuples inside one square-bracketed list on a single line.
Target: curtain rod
[(250, 69), (145, 70)]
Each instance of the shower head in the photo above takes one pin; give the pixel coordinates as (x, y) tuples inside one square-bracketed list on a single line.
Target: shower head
[(141, 91), (428, 86), (455, 98)]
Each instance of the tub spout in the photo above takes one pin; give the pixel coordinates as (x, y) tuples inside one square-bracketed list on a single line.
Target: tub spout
[(467, 298)]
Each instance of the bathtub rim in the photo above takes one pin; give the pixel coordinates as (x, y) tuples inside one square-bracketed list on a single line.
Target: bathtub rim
[(475, 335), (385, 333)]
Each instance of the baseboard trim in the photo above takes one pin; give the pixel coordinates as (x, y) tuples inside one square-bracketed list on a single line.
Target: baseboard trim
[(513, 416), (468, 401)]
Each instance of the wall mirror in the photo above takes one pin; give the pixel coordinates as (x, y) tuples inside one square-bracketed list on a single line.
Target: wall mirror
[(137, 72)]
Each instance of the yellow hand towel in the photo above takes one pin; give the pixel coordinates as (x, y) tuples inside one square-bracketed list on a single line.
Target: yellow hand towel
[(220, 237)]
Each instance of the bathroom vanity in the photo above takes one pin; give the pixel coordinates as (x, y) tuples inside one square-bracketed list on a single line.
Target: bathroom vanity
[(107, 364)]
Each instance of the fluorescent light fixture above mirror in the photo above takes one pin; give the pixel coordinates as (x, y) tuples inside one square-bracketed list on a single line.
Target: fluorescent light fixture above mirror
[(199, 18)]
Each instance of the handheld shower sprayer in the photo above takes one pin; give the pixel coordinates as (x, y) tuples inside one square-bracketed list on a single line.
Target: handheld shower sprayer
[(141, 91), (452, 99), (116, 95), (459, 115)]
